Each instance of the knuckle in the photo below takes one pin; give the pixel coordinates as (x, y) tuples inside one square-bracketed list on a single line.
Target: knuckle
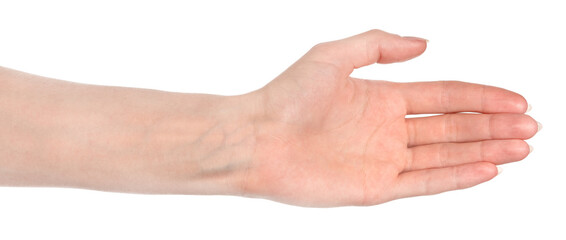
[(321, 47), (450, 129), (442, 155), (375, 32)]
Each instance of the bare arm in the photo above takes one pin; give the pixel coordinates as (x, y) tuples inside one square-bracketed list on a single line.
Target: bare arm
[(58, 133), (314, 136)]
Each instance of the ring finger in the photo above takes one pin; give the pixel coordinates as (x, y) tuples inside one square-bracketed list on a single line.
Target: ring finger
[(462, 127)]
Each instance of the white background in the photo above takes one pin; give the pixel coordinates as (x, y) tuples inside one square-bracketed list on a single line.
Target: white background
[(232, 47)]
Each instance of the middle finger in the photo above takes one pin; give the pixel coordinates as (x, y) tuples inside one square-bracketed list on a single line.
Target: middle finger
[(461, 127)]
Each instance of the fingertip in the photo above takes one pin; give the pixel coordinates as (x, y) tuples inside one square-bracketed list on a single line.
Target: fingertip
[(522, 104), (399, 51), (505, 151), (499, 100), (517, 103), (477, 173), (530, 126), (487, 171), (420, 45), (519, 150)]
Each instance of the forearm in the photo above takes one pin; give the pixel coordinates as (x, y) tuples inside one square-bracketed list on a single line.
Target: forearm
[(57, 133)]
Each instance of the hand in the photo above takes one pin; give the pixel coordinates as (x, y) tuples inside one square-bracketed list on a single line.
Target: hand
[(327, 139)]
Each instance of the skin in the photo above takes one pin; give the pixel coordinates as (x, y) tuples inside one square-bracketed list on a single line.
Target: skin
[(314, 136)]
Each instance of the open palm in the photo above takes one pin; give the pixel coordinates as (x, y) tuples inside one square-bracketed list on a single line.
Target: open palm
[(327, 139)]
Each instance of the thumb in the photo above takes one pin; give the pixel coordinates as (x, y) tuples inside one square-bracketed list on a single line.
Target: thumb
[(374, 46)]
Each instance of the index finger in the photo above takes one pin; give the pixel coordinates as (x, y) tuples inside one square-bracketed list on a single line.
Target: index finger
[(454, 96)]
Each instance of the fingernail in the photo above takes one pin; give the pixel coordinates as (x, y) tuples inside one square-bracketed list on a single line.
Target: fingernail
[(539, 126), (499, 170), (529, 108), (531, 148), (415, 38)]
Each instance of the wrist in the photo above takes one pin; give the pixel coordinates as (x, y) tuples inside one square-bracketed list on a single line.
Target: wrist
[(213, 149)]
